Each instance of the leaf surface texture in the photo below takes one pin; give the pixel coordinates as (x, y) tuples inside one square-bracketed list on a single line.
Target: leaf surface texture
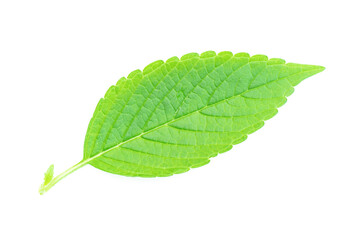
[(176, 115)]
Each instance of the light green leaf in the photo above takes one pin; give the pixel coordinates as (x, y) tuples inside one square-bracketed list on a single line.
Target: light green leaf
[(176, 115), (47, 178)]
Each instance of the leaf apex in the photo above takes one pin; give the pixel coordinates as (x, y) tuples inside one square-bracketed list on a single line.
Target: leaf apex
[(314, 68), (302, 71), (321, 68)]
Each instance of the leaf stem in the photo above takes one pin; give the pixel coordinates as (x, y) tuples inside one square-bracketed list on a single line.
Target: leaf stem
[(45, 187)]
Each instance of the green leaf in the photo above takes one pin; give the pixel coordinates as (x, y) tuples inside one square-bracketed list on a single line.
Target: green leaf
[(176, 115), (47, 178)]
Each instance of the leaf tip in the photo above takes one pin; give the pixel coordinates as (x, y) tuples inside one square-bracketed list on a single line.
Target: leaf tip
[(318, 68), (299, 72), (321, 68), (314, 69)]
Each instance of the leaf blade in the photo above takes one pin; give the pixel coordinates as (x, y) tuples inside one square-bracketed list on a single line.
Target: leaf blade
[(191, 89)]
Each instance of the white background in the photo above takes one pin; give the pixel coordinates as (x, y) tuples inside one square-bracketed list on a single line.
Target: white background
[(296, 178)]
